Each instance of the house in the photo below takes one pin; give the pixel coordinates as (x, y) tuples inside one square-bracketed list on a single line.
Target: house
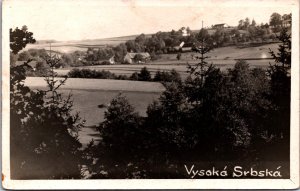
[(131, 57), (184, 47), (220, 26), (185, 32), (32, 64), (287, 23)]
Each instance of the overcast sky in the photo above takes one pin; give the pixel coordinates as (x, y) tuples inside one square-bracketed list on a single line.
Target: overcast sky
[(93, 19)]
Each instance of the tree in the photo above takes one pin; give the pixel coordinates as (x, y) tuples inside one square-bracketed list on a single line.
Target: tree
[(19, 38), (199, 69), (24, 56), (275, 20), (287, 16), (253, 23), (283, 56), (144, 75), (140, 39), (281, 86), (44, 143), (67, 60), (178, 56), (134, 76), (203, 35), (120, 52), (164, 77), (121, 135), (139, 58), (42, 69), (241, 24), (218, 37), (247, 22)]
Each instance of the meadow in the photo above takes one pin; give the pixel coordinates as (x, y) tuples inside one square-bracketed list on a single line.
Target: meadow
[(88, 94)]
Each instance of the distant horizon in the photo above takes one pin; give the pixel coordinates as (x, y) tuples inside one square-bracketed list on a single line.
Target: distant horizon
[(88, 20)]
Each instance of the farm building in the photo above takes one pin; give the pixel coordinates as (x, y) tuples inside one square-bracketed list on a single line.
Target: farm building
[(220, 26), (141, 57), (287, 23)]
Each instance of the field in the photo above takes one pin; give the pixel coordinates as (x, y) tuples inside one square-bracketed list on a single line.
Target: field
[(89, 93), (82, 45), (223, 58)]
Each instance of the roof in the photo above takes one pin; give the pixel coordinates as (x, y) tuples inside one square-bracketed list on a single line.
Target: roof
[(287, 21), (32, 63), (133, 54), (221, 24)]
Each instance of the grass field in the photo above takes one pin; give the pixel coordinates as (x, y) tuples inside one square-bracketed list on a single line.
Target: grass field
[(89, 93), (101, 84)]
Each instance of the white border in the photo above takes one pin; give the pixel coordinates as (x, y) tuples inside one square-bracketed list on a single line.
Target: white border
[(291, 183)]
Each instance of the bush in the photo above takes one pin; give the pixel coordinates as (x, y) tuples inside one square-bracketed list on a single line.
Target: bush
[(87, 73), (105, 62), (134, 76), (144, 75), (163, 76)]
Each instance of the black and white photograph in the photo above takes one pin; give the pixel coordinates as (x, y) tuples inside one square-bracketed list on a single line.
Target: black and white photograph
[(142, 94)]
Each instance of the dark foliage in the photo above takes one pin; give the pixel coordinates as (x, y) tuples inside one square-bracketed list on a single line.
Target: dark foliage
[(43, 131), (122, 135), (87, 73), (19, 38), (163, 76), (144, 75)]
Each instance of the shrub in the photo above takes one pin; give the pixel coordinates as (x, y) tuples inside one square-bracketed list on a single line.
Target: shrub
[(134, 76), (163, 76), (87, 73), (144, 75)]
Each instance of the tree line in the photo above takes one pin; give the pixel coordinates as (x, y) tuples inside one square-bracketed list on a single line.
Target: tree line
[(143, 75)]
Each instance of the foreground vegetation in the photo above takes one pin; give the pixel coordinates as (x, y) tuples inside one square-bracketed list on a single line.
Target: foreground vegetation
[(239, 116)]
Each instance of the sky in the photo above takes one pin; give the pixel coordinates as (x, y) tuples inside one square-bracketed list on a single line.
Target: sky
[(66, 20)]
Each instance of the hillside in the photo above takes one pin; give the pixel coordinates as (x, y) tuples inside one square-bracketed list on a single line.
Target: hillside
[(81, 45)]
